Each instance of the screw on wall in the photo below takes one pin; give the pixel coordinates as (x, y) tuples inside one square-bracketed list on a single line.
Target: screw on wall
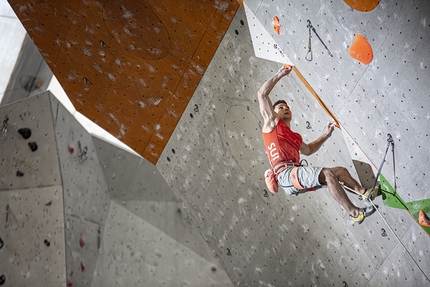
[(25, 133), (82, 155), (3, 130)]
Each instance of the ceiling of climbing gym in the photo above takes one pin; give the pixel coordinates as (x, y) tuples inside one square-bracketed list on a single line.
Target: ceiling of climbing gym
[(177, 82)]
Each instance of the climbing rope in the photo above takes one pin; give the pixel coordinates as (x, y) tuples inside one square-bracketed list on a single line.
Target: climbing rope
[(390, 142)]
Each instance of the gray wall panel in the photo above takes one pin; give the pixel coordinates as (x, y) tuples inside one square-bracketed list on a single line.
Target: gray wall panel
[(216, 170), (37, 168), (33, 236)]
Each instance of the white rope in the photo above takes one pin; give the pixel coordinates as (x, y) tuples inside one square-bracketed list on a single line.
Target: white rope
[(395, 235)]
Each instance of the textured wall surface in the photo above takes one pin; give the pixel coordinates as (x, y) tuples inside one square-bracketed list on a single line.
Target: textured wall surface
[(203, 216), (83, 212), (218, 163)]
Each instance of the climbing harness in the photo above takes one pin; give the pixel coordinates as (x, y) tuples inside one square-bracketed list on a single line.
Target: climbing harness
[(390, 142), (271, 176), (311, 28)]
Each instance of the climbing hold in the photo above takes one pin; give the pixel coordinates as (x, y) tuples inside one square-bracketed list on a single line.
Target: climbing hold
[(71, 149), (2, 279), (33, 146), (69, 283), (276, 25), (362, 5), (49, 203), (423, 219), (82, 267), (361, 50), (81, 242), (1, 243), (25, 132), (213, 268), (19, 173), (47, 243)]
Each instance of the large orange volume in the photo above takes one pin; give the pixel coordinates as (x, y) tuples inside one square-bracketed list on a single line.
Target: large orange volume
[(362, 5)]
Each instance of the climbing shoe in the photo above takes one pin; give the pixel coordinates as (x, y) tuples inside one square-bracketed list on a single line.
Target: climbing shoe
[(370, 195), (363, 213)]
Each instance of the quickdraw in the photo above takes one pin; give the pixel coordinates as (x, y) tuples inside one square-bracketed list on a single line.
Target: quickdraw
[(311, 28)]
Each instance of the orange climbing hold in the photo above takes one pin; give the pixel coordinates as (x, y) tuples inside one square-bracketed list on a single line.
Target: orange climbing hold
[(361, 50), (422, 219), (276, 25), (362, 5)]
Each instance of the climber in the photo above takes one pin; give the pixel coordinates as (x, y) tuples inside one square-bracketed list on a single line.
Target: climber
[(283, 148)]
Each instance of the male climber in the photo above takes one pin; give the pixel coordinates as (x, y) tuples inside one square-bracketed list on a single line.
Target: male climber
[(283, 148)]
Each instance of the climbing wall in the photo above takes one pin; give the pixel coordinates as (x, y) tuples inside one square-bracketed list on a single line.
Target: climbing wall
[(215, 160), (79, 211)]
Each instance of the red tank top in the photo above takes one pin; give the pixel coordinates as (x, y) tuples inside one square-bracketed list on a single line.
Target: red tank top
[(282, 144)]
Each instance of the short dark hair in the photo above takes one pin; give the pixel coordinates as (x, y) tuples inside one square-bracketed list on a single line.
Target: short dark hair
[(279, 102)]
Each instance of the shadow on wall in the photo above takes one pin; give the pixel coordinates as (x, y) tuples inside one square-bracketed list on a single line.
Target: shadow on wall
[(365, 173)]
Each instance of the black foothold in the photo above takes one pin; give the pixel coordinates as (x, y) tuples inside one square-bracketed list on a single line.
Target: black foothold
[(19, 173), (25, 132), (1, 243), (33, 146), (2, 279), (47, 243)]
